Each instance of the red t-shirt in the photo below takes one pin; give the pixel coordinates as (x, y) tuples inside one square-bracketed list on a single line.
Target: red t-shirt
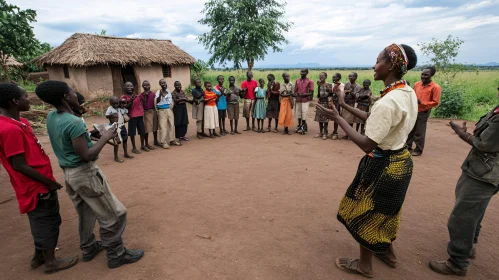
[(209, 95), (137, 110), (251, 85), (17, 138)]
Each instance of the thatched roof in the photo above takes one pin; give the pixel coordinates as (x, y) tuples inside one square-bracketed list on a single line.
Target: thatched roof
[(12, 62), (88, 49)]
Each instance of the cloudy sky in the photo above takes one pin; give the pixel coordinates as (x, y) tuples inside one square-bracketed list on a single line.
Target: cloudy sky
[(329, 32)]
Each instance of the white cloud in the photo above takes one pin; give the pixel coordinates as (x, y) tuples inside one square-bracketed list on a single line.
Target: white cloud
[(324, 30)]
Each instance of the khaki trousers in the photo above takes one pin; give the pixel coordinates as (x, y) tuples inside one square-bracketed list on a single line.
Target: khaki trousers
[(166, 126)]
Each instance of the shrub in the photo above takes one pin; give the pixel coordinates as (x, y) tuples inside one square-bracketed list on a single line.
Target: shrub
[(451, 103)]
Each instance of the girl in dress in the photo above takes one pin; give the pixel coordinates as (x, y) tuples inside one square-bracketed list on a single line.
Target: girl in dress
[(210, 110), (260, 107), (324, 94), (363, 103)]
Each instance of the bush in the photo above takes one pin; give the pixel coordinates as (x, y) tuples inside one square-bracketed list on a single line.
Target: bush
[(451, 103)]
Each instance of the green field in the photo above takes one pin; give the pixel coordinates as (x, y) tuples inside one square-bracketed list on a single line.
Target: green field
[(479, 88)]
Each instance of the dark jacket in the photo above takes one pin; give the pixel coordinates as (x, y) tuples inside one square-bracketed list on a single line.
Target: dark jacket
[(482, 162)]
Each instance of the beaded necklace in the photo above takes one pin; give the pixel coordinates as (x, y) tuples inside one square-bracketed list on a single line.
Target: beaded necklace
[(392, 86)]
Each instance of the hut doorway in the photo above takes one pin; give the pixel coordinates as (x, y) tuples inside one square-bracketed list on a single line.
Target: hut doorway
[(128, 75)]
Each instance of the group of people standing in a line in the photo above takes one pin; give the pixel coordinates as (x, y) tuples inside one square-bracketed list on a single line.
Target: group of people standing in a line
[(370, 209)]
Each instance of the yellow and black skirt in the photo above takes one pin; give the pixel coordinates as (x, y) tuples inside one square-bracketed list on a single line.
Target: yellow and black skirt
[(371, 207)]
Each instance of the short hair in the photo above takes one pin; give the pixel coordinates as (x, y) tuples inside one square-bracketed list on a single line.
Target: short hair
[(367, 81), (338, 74), (219, 76), (285, 73), (52, 92), (114, 97), (162, 80), (261, 80), (206, 83), (325, 74), (232, 77), (355, 74), (9, 91), (271, 76), (177, 82), (432, 69), (247, 72), (145, 81)]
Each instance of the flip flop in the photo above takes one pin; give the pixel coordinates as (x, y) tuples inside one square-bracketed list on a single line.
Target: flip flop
[(275, 131), (135, 151), (351, 266), (383, 258), (247, 129), (151, 148), (72, 263), (119, 160)]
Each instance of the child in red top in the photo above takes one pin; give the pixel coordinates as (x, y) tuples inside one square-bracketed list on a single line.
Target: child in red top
[(136, 113), (31, 177), (210, 110)]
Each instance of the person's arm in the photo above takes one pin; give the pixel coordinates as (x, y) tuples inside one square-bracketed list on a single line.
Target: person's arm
[(76, 131), (363, 142), (159, 94), (19, 164), (434, 98), (143, 99), (356, 112), (487, 142)]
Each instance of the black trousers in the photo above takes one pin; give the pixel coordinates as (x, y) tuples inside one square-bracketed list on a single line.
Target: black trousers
[(418, 133), (45, 221)]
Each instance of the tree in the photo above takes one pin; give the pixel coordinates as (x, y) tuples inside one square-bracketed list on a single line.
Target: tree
[(443, 55), (243, 30), (199, 68), (16, 34)]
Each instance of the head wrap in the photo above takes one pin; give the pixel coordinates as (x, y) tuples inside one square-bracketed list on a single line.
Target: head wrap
[(398, 57)]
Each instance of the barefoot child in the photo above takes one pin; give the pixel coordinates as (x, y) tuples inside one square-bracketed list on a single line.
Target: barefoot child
[(304, 90), (31, 177), (234, 93), (86, 184), (117, 107), (363, 103), (273, 100), (210, 110), (351, 91), (338, 88), (324, 94), (150, 116), (286, 110), (198, 108), (164, 104), (260, 107), (113, 118), (136, 112), (221, 104)]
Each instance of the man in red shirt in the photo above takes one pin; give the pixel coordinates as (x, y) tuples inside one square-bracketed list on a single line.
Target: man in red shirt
[(248, 87), (304, 90), (428, 93), (31, 177)]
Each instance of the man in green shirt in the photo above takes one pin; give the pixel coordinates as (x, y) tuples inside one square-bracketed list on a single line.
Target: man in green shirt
[(86, 184)]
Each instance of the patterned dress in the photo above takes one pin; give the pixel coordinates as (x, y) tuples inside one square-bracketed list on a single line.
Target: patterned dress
[(350, 99), (274, 102), (325, 92)]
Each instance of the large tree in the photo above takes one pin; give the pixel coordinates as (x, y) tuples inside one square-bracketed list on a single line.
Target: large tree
[(243, 30), (16, 34)]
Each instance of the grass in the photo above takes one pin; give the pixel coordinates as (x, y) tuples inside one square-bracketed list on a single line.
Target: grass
[(479, 88)]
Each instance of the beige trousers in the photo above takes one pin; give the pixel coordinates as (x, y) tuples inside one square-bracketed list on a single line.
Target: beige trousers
[(166, 126)]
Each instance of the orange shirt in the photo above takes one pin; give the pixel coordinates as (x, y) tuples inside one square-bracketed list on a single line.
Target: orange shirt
[(208, 95), (429, 95)]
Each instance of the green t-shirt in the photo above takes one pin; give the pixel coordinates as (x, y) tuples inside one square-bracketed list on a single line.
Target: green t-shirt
[(62, 129)]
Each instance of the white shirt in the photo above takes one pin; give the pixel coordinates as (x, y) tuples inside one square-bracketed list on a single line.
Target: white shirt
[(165, 100), (120, 112), (392, 118)]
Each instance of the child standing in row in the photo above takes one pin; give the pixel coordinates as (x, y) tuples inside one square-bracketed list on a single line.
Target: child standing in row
[(323, 94), (233, 93), (260, 107), (150, 116), (180, 112), (338, 87), (363, 103), (117, 107), (351, 90), (273, 102), (164, 104), (136, 112), (286, 109), (198, 108), (221, 104), (210, 110)]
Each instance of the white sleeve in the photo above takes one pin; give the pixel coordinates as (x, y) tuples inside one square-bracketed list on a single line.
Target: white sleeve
[(380, 121), (109, 111)]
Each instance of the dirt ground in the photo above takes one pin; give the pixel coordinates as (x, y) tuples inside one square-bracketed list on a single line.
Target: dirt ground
[(254, 206)]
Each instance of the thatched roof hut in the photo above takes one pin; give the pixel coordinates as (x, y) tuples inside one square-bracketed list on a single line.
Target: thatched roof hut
[(99, 65), (12, 62)]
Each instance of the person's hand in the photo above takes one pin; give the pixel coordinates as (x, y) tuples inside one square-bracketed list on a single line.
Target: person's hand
[(53, 186), (419, 101), (332, 114), (458, 129), (110, 133)]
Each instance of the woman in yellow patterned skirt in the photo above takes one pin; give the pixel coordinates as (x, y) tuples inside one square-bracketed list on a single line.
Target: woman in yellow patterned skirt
[(371, 207)]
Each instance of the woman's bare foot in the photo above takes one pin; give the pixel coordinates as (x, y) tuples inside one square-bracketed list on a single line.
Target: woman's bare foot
[(352, 266)]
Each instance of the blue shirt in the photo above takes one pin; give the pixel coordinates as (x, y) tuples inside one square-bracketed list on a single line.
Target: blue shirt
[(222, 101)]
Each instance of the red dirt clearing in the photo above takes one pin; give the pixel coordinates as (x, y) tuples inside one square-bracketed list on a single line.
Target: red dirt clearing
[(254, 206)]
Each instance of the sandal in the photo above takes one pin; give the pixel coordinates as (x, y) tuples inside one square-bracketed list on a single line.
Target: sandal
[(119, 160), (351, 266), (275, 130), (135, 151), (268, 129), (318, 135), (150, 147), (324, 137), (128, 156), (175, 143), (232, 133), (247, 129), (383, 258)]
